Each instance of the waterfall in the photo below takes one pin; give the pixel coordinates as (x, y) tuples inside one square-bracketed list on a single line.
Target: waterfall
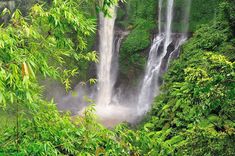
[(115, 105), (106, 71), (159, 57), (149, 85), (183, 36), (168, 26), (106, 50), (109, 107)]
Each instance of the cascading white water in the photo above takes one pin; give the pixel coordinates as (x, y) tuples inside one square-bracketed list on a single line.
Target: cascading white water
[(108, 107), (183, 35), (114, 106), (168, 26), (106, 49), (150, 85)]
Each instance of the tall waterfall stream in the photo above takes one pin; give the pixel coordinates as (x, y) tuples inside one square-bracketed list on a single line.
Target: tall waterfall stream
[(111, 106)]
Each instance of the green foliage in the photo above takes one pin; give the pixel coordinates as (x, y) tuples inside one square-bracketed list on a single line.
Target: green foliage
[(197, 100), (133, 46), (194, 115), (49, 133), (201, 14), (207, 141), (138, 38), (39, 44), (105, 5), (7, 120), (139, 18)]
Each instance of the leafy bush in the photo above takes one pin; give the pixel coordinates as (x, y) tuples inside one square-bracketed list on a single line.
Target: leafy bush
[(197, 100), (140, 20), (47, 132)]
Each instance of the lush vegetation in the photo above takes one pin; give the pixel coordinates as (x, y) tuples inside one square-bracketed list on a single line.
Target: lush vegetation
[(194, 114), (139, 18), (38, 45), (195, 111)]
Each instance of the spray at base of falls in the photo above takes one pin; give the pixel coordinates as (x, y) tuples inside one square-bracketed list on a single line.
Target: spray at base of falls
[(108, 107), (115, 107)]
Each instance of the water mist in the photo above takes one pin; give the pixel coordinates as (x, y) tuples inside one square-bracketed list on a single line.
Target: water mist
[(114, 106)]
